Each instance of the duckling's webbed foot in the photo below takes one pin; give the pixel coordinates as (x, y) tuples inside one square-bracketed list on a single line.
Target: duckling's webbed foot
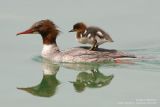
[(94, 47)]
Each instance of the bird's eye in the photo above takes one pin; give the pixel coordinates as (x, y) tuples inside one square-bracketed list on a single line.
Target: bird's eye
[(76, 27), (38, 26)]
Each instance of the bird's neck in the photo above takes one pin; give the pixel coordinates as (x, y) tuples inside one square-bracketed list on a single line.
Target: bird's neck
[(80, 34), (49, 45), (49, 37)]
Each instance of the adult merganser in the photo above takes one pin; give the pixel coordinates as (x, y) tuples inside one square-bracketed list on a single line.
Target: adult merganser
[(47, 29), (90, 35)]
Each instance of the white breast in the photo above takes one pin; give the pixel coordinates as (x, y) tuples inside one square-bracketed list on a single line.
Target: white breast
[(49, 50), (83, 40), (46, 49)]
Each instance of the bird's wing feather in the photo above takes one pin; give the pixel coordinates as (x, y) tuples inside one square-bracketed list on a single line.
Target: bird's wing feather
[(95, 31)]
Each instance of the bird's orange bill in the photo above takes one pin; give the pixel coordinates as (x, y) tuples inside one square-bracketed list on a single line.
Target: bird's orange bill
[(29, 31)]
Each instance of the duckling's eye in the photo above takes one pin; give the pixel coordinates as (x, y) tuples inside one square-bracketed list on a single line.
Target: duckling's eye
[(76, 27)]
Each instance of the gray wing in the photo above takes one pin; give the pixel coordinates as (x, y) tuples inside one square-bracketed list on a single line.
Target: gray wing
[(95, 31)]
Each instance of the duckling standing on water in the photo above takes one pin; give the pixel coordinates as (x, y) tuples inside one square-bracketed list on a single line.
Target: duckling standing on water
[(90, 35)]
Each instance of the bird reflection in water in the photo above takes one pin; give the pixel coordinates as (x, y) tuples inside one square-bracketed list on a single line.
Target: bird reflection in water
[(95, 79), (89, 76), (48, 84)]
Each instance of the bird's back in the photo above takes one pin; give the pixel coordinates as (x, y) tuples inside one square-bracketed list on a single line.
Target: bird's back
[(96, 31)]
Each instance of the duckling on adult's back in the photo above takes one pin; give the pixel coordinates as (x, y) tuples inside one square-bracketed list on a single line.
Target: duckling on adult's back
[(48, 31), (90, 35)]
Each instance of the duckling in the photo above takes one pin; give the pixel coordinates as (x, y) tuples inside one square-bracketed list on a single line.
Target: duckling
[(90, 35)]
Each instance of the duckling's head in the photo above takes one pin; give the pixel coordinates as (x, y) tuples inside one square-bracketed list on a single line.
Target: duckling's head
[(79, 27)]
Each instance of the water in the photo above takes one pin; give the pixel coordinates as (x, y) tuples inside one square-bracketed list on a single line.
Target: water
[(28, 80)]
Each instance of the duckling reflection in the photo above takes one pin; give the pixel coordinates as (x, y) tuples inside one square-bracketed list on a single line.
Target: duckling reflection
[(90, 77), (91, 80), (48, 84)]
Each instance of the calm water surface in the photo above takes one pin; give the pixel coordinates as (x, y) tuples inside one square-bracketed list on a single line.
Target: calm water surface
[(27, 80)]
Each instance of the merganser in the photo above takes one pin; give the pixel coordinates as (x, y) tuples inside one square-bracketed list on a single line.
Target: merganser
[(49, 84), (91, 35), (47, 29)]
